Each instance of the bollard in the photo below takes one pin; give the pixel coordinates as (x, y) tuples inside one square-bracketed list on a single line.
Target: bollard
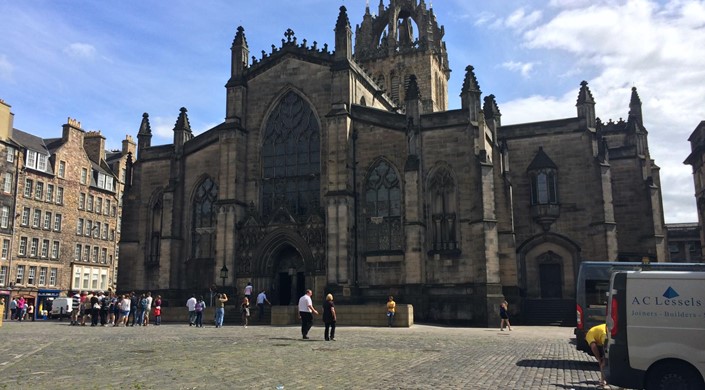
[(2, 310)]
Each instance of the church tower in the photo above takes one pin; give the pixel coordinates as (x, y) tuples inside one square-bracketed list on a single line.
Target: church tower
[(402, 40)]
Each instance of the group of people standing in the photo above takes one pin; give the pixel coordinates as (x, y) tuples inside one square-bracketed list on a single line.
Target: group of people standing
[(21, 309), (115, 309)]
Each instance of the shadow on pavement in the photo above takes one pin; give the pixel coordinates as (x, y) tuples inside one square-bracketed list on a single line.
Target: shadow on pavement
[(561, 363)]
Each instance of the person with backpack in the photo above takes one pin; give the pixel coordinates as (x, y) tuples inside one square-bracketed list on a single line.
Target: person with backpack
[(200, 307), (142, 304), (104, 308)]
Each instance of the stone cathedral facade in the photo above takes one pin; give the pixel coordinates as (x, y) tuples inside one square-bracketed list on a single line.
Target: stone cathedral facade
[(342, 170)]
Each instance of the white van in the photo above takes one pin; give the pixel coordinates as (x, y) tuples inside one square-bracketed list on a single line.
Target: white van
[(61, 307), (656, 330)]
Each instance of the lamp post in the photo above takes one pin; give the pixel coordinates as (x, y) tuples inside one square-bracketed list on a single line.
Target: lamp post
[(224, 275)]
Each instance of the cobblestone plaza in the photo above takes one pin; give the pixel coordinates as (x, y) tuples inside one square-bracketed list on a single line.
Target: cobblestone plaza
[(54, 355)]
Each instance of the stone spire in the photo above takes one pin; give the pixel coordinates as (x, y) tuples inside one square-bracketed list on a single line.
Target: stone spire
[(470, 94), (239, 56), (635, 107), (491, 110), (586, 105), (182, 129), (144, 135), (343, 36)]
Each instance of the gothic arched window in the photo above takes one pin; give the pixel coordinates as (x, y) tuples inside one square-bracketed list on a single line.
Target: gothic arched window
[(204, 220), (291, 155), (156, 232), (443, 207), (543, 174), (383, 209)]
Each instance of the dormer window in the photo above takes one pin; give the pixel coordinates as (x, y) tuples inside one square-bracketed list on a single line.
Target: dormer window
[(105, 182), (36, 161)]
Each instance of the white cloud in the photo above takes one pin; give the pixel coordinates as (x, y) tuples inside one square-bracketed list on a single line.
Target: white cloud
[(519, 20), (162, 127), (6, 68), (80, 50), (524, 68)]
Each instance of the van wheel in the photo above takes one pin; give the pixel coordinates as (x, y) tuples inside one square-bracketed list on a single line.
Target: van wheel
[(673, 375)]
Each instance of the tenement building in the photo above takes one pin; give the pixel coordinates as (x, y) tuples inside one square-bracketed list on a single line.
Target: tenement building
[(343, 170), (60, 212)]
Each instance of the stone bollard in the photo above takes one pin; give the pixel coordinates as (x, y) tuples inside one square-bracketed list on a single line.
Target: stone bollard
[(2, 310)]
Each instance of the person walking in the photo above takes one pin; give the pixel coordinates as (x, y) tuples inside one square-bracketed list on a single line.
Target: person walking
[(261, 299), (245, 309), (75, 307), (200, 307), (21, 308), (148, 309), (391, 311), (191, 305), (306, 312), (248, 290), (504, 316), (220, 309), (329, 318)]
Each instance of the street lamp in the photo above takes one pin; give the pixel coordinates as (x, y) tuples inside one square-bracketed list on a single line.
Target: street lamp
[(224, 274)]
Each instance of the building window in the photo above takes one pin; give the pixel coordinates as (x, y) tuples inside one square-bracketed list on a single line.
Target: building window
[(31, 274), (42, 162), (45, 249), (86, 253), (62, 169), (77, 278), (4, 217), (105, 232), (383, 209), (123, 174), (89, 203), (543, 188), (104, 255), (59, 195), (42, 276), (22, 250), (25, 216), (10, 154), (57, 222), (31, 159), (84, 175), (89, 227), (203, 225), (96, 229), (81, 201), (107, 207), (52, 277), (34, 247), (94, 279), (19, 277), (77, 252), (86, 278), (47, 221), (55, 250), (3, 277), (291, 153), (39, 191), (79, 227), (28, 186), (37, 218), (99, 205), (7, 182), (50, 193), (94, 257), (112, 235), (443, 217), (5, 249)]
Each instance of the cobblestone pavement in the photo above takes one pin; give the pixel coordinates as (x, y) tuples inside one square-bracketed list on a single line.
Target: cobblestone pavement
[(54, 355)]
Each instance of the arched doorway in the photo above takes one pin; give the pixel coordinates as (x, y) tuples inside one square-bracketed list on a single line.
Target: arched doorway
[(289, 276)]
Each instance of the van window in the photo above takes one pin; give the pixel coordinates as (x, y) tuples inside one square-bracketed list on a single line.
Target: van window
[(596, 293)]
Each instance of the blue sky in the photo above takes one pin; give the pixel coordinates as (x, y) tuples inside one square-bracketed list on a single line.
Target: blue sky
[(104, 63)]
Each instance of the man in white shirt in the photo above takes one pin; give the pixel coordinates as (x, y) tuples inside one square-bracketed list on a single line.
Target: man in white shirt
[(306, 311), (191, 304), (261, 299)]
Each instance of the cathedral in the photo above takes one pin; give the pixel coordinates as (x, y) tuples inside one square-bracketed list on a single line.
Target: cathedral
[(341, 169)]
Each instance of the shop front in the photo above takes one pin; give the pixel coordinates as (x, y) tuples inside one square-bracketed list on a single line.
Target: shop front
[(44, 302)]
